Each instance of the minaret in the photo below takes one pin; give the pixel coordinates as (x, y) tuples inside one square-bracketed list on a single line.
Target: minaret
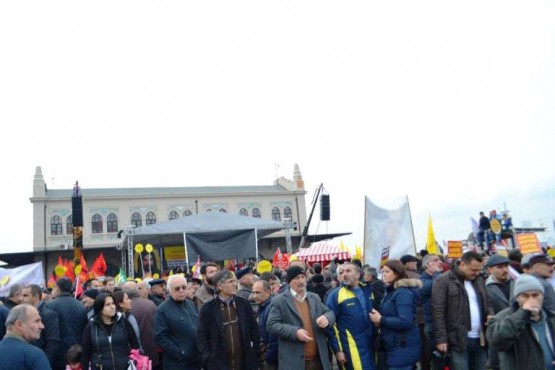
[(39, 186), (298, 178)]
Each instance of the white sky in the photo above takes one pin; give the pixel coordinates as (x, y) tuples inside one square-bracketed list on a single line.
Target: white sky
[(449, 103)]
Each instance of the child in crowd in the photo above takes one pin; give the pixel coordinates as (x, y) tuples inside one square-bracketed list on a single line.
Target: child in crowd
[(73, 357)]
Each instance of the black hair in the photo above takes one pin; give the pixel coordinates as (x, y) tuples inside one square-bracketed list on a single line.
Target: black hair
[(73, 354), (100, 301)]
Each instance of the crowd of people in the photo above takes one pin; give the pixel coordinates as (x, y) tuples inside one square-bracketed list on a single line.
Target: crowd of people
[(475, 313)]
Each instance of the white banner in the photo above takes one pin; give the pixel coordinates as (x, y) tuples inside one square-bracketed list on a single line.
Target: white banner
[(26, 274), (387, 228)]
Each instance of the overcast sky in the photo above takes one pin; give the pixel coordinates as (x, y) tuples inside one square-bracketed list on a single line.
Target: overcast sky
[(450, 103)]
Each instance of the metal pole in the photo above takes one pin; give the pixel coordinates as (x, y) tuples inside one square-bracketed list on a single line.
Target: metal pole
[(186, 252), (256, 242), (305, 230)]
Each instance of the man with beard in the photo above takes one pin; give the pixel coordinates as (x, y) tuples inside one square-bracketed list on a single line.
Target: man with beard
[(352, 303), (23, 325), (262, 294), (500, 291), (207, 291), (244, 289), (49, 340), (300, 320)]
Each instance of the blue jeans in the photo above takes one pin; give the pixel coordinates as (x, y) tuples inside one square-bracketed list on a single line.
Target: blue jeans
[(474, 358)]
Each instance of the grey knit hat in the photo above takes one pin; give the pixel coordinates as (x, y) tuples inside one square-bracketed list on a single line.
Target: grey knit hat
[(527, 283)]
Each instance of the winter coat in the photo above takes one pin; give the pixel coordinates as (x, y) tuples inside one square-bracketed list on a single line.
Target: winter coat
[(49, 340), (426, 294), (203, 295), (72, 319), (110, 351), (497, 298), (284, 320), (211, 336), (144, 310), (16, 354), (451, 309), (399, 330), (270, 341), (175, 326), (511, 334)]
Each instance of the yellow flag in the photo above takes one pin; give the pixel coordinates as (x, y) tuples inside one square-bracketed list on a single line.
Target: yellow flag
[(341, 246), (431, 242)]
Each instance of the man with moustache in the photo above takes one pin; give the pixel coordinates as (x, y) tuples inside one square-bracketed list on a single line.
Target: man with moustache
[(49, 340), (227, 335), (299, 319), (87, 300), (352, 303), (500, 291), (23, 326), (207, 291), (262, 295), (175, 325)]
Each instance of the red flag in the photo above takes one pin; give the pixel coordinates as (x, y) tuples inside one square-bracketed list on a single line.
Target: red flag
[(51, 280), (69, 270), (84, 273), (60, 262), (99, 266)]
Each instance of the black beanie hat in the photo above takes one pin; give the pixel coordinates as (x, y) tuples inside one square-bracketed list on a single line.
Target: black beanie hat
[(293, 272)]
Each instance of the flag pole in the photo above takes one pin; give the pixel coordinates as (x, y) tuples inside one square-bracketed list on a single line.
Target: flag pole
[(412, 227)]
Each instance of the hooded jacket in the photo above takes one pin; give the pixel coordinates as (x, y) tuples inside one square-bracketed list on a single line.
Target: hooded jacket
[(399, 330)]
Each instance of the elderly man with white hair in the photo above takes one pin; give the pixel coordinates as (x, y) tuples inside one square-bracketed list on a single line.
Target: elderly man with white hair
[(523, 333), (175, 325)]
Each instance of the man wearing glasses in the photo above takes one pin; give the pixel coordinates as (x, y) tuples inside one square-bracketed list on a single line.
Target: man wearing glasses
[(175, 325)]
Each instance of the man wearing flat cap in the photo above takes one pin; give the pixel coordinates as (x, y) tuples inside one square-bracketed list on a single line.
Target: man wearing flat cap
[(300, 320), (245, 279), (523, 332), (87, 300), (541, 266), (499, 287), (157, 291)]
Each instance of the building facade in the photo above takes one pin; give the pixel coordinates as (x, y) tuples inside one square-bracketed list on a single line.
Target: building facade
[(108, 211)]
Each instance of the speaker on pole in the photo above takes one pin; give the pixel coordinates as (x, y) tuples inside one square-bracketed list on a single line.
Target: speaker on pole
[(77, 211), (325, 207)]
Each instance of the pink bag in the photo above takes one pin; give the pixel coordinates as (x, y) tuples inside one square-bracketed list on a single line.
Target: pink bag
[(141, 362)]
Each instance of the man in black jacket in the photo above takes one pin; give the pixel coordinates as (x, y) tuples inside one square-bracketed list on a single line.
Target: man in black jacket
[(71, 316), (49, 340), (175, 325), (227, 322)]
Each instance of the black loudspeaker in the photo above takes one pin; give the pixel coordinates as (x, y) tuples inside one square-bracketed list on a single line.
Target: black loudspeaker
[(325, 207), (77, 211)]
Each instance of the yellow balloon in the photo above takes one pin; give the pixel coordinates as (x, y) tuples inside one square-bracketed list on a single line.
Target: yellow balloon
[(138, 280), (264, 266), (149, 248), (139, 248), (292, 258), (78, 269), (60, 270), (156, 276)]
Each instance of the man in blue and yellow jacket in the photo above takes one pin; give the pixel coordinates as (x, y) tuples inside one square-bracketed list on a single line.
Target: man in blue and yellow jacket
[(354, 332)]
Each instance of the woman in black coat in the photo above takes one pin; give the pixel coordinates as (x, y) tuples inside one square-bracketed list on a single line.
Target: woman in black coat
[(108, 337)]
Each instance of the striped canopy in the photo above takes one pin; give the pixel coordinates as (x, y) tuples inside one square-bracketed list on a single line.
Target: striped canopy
[(322, 252)]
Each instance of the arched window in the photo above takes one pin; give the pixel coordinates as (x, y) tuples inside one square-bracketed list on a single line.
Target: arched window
[(256, 212), (287, 213), (223, 210), (136, 219), (96, 224), (173, 215), (112, 223), (56, 225), (150, 218), (69, 224), (187, 213), (276, 214), (243, 212)]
